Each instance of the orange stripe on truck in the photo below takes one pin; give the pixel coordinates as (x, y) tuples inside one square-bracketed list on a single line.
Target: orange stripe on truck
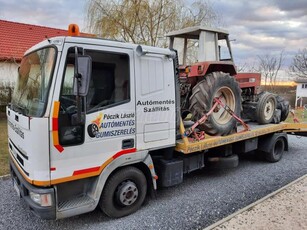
[(99, 169), (56, 109), (78, 174), (55, 126), (93, 171)]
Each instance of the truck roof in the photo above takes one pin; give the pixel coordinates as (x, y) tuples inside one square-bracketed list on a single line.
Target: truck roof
[(59, 41), (194, 32)]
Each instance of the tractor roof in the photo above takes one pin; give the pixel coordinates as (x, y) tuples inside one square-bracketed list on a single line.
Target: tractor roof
[(194, 32)]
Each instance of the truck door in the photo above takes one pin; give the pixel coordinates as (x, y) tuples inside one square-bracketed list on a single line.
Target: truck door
[(109, 110), (155, 101)]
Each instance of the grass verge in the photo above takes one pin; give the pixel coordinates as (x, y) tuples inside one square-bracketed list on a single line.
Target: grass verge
[(4, 155), (300, 114)]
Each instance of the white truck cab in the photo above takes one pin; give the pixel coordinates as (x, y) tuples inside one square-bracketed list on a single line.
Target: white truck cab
[(82, 109)]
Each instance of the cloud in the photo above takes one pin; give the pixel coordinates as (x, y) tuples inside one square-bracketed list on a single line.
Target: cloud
[(294, 5), (57, 14), (265, 26)]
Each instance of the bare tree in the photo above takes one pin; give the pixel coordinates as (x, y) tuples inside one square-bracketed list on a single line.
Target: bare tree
[(246, 67), (145, 21), (299, 64), (269, 66)]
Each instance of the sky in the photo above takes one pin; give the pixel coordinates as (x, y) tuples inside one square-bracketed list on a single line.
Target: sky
[(265, 27), (258, 27)]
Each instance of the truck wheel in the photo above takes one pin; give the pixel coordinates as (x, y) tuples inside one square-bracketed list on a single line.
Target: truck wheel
[(265, 108), (216, 84), (124, 192), (284, 107), (275, 154)]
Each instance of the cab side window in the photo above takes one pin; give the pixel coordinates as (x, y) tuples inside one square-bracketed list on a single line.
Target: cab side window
[(109, 85)]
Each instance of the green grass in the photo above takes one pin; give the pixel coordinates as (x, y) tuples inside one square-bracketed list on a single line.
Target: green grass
[(300, 114), (4, 155)]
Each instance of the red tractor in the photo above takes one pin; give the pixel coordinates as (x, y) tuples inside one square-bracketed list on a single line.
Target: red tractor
[(213, 76)]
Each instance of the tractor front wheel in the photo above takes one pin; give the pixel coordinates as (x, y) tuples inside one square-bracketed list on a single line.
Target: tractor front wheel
[(265, 108)]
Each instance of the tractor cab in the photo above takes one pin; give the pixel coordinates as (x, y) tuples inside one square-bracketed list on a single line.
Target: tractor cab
[(202, 50), (201, 44)]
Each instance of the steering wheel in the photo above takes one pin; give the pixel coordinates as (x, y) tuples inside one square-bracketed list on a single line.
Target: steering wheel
[(67, 102), (70, 110)]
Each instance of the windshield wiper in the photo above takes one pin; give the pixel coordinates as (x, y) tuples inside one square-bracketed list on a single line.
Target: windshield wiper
[(20, 109)]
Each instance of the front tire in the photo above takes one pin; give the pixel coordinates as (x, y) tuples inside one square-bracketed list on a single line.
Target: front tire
[(265, 109), (124, 192), (216, 84)]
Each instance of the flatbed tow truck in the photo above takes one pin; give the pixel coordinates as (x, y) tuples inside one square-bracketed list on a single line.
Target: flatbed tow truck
[(95, 122)]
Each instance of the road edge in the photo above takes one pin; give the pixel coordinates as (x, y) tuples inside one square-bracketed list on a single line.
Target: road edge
[(5, 177), (253, 204)]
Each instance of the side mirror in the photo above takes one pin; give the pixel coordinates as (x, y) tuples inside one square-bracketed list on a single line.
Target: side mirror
[(82, 75)]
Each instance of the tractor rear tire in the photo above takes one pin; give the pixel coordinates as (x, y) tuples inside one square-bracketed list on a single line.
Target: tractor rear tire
[(265, 109), (216, 84)]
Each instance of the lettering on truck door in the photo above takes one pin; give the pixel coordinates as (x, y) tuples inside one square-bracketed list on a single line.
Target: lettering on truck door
[(155, 101)]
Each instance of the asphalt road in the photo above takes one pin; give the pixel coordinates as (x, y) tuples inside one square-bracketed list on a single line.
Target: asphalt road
[(202, 199)]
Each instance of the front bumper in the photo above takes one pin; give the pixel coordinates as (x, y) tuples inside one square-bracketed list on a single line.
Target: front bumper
[(24, 188)]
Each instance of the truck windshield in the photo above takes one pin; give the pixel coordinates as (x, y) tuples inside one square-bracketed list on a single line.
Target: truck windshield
[(34, 77)]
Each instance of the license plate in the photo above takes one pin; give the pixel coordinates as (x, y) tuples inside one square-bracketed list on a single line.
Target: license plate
[(16, 188)]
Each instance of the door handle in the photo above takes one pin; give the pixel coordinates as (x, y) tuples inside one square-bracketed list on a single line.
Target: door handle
[(128, 143)]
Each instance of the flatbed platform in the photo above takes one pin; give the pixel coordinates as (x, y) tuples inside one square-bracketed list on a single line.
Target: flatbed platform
[(186, 145)]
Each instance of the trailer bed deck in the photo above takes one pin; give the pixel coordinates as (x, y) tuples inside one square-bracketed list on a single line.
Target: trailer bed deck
[(187, 145)]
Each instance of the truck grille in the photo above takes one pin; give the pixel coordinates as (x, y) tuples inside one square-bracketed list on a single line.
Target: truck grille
[(18, 156)]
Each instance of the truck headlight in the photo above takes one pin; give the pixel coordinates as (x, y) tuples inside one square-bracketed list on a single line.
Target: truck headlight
[(43, 200), (252, 80)]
